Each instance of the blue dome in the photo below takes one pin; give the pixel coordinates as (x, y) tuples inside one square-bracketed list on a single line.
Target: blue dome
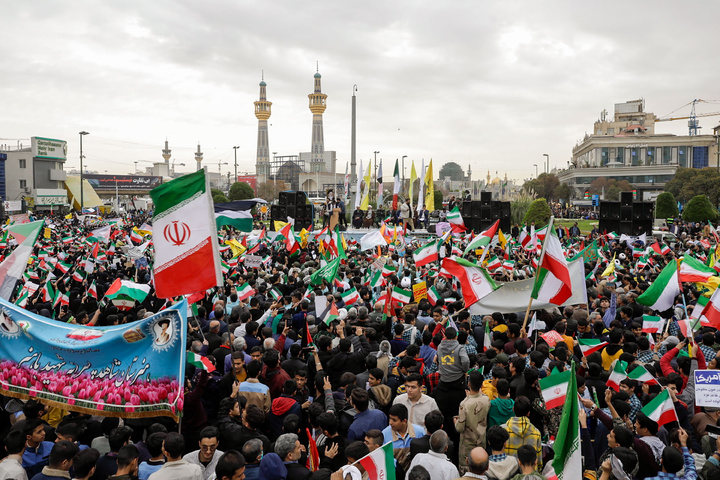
[(263, 84), (317, 75)]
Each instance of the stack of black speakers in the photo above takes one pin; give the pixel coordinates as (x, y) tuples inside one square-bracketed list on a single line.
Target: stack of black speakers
[(479, 215), (295, 205), (626, 216)]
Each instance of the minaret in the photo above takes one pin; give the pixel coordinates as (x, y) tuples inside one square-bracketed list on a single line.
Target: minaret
[(262, 112), (166, 153), (198, 157), (469, 174), (317, 107)]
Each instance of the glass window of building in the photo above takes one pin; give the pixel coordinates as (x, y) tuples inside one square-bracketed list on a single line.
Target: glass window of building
[(604, 152), (634, 156), (650, 155), (666, 155), (683, 156)]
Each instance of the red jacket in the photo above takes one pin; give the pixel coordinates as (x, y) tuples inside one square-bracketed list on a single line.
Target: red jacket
[(667, 368)]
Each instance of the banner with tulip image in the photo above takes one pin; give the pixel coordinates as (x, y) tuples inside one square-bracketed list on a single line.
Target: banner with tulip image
[(133, 370)]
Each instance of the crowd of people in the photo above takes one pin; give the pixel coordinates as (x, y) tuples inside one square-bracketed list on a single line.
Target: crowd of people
[(455, 391)]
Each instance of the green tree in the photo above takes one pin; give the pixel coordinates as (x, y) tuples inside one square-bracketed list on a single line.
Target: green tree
[(699, 209), (563, 192), (690, 182), (438, 200), (215, 191), (666, 206), (452, 170), (241, 191), (219, 198), (543, 186), (539, 212), (271, 190), (519, 208)]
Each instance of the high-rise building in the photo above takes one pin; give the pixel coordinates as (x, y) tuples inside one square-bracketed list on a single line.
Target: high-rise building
[(262, 113), (317, 106)]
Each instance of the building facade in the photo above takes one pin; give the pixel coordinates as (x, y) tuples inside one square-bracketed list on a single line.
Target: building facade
[(626, 147)]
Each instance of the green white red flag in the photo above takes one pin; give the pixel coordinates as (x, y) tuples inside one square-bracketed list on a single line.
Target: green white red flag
[(693, 270), (187, 259), (590, 345), (661, 409), (475, 282), (567, 463), (552, 281), (380, 463), (484, 239), (200, 362), (350, 296), (711, 312), (433, 295), (554, 388), (426, 254), (401, 296), (640, 374), (652, 324), (455, 220), (245, 291), (617, 375), (662, 292)]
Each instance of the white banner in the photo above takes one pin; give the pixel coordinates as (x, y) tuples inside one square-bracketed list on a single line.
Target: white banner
[(707, 388), (253, 261), (514, 296)]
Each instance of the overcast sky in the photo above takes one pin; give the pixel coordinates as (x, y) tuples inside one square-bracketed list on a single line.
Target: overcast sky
[(493, 85)]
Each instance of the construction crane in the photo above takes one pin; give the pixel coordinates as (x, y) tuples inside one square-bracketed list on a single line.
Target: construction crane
[(693, 123)]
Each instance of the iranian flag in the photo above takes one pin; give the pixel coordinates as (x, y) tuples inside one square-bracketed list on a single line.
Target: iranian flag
[(433, 295), (590, 345), (617, 375), (494, 263), (693, 270), (699, 307), (200, 362), (396, 186), (641, 374), (689, 327), (487, 338), (508, 264), (484, 239), (426, 254), (652, 324), (552, 281), (554, 388), (241, 220), (187, 259), (64, 267), (400, 295), (567, 463), (475, 281), (377, 279), (380, 464), (388, 269), (245, 291), (351, 296), (711, 311), (661, 409), (659, 249), (456, 221), (92, 291), (662, 292)]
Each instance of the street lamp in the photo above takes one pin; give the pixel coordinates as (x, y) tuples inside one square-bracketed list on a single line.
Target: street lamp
[(535, 165), (235, 148), (82, 193), (403, 167), (136, 162), (547, 168)]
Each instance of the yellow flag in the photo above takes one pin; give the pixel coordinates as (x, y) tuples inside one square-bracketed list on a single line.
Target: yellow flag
[(502, 239), (68, 216), (46, 233), (235, 246), (430, 189), (304, 238), (279, 225), (610, 268), (366, 191), (413, 177)]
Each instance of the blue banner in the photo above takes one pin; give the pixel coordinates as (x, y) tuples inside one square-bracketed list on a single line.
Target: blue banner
[(131, 370)]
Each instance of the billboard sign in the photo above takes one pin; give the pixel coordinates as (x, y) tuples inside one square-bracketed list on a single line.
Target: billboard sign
[(250, 180), (48, 148), (123, 182)]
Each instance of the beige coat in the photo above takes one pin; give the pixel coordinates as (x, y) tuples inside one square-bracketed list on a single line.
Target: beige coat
[(471, 424)]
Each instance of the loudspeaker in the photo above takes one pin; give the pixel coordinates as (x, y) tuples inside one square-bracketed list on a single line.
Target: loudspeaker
[(644, 226), (505, 211), (300, 198), (638, 211), (615, 209), (626, 227), (607, 225), (626, 213), (648, 210), (604, 209), (431, 229), (505, 225), (467, 209), (283, 198), (476, 209), (476, 224), (626, 198), (278, 211), (485, 197), (488, 213), (290, 211)]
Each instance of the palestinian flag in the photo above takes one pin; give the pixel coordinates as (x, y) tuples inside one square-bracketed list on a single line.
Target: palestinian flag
[(433, 295), (652, 324), (484, 239), (351, 296), (426, 254), (125, 293), (662, 292), (187, 259), (641, 374), (380, 464), (567, 463), (401, 296), (245, 291), (659, 249), (388, 269), (241, 220), (200, 362), (494, 263), (554, 388), (661, 409), (332, 314), (590, 345), (693, 270), (456, 220), (617, 375), (275, 293), (552, 281), (475, 281)]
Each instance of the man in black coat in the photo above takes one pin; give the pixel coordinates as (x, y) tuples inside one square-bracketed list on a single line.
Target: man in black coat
[(345, 361)]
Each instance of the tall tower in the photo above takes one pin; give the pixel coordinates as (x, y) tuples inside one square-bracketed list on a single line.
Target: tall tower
[(198, 157), (317, 107), (262, 112), (166, 153)]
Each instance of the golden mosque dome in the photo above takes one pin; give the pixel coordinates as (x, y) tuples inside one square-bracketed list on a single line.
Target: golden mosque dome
[(496, 181)]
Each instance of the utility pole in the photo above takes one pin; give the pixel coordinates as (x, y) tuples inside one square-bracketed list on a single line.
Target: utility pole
[(82, 193), (234, 148)]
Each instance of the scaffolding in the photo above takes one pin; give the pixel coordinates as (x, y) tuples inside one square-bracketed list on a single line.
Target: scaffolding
[(287, 168)]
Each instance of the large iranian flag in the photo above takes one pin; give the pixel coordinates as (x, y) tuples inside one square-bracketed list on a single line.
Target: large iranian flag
[(475, 281), (484, 239), (567, 463), (711, 312), (662, 292), (380, 464), (693, 270), (661, 409), (554, 388), (186, 250), (396, 186), (455, 219), (426, 254), (552, 281)]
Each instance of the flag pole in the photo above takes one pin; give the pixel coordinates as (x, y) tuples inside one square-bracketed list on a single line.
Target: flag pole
[(540, 261)]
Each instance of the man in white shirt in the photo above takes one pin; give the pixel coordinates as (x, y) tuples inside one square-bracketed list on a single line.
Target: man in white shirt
[(208, 455), (435, 461), (417, 403), (176, 467), (11, 466)]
